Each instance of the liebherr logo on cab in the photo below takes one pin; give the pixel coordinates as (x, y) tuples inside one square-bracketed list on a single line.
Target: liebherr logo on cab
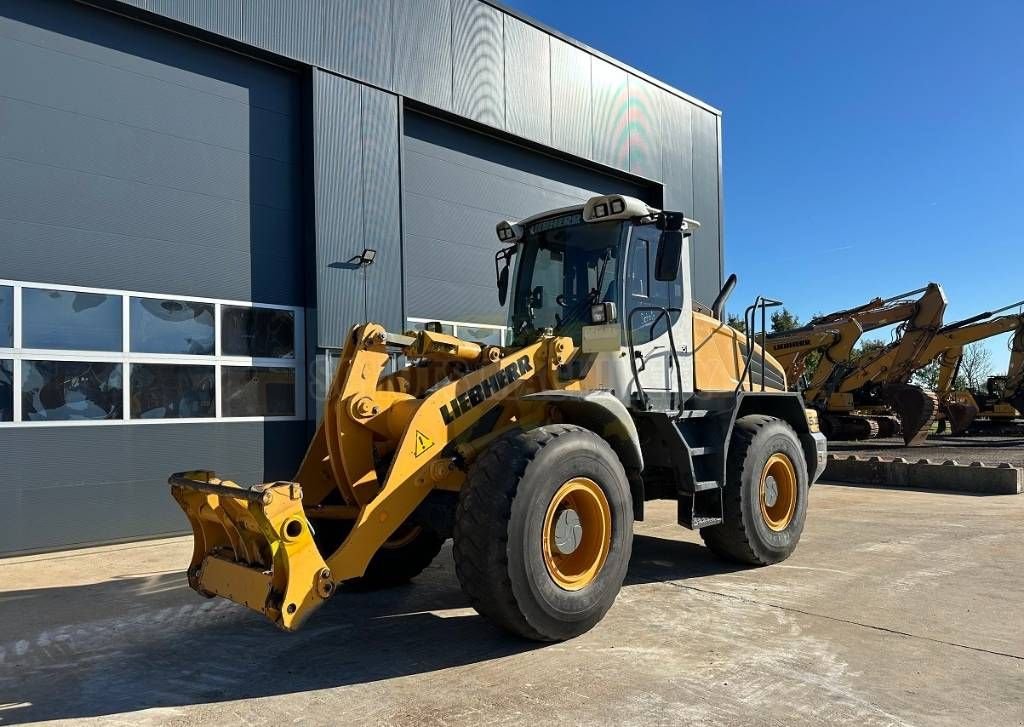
[(487, 388)]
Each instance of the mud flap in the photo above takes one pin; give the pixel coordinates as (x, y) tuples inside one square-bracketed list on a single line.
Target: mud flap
[(253, 546), (916, 409)]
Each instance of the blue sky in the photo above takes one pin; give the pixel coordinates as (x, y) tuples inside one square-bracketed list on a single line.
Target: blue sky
[(869, 146)]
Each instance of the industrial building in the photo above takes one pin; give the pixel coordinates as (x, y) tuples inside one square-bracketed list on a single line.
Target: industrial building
[(199, 197)]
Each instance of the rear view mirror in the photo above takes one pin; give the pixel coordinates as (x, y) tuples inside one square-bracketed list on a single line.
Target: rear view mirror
[(502, 262), (503, 285), (670, 251)]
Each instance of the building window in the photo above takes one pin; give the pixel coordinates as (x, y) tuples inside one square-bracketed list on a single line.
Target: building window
[(254, 391), (73, 355), (257, 332), (68, 320), (6, 316), (173, 391), (485, 333), (71, 390), (172, 326), (6, 390)]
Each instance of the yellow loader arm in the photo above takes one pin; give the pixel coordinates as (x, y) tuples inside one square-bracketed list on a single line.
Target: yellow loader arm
[(385, 443)]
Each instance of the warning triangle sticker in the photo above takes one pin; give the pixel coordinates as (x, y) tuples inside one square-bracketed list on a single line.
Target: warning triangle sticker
[(423, 443)]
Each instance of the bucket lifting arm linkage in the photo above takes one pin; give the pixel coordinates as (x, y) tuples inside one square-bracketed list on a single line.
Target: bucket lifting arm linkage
[(255, 545)]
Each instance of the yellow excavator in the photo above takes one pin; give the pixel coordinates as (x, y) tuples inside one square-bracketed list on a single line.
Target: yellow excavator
[(535, 457), (854, 400), (1003, 399)]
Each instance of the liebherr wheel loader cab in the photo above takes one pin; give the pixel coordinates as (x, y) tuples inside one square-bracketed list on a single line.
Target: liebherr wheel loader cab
[(535, 457)]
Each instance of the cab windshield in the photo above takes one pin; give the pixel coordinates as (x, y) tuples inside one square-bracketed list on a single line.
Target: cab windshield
[(565, 266)]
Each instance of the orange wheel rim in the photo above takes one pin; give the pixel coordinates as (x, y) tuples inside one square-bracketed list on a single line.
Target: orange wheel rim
[(777, 492), (577, 533)]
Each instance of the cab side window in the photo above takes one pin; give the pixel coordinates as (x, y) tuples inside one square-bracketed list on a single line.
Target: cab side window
[(645, 293)]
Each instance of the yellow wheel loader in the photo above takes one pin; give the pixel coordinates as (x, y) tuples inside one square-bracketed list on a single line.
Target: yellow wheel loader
[(535, 457)]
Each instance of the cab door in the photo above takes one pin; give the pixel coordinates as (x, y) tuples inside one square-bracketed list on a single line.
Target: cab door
[(651, 308)]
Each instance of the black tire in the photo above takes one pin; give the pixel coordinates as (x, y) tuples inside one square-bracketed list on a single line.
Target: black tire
[(396, 565), (500, 526), (745, 534)]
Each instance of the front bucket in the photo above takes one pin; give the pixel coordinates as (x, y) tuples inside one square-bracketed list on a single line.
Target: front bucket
[(253, 546), (916, 408)]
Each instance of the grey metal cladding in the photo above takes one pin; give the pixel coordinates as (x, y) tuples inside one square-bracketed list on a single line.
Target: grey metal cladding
[(356, 39), (382, 203), (677, 153), (527, 81), (610, 90), (223, 17), (423, 50), (339, 202), (706, 242), (357, 200), (646, 140), (479, 68), (571, 104), (288, 27), (457, 185), (66, 485), (137, 159)]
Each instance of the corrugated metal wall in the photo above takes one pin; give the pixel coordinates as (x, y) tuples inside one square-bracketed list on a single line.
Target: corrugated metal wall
[(135, 159), (67, 485), (357, 204), (458, 184), (478, 61)]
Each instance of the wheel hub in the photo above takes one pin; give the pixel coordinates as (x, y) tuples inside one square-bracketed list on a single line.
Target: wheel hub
[(568, 531), (577, 533), (778, 492), (771, 491)]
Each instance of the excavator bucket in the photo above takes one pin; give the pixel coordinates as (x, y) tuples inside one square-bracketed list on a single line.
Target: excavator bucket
[(960, 412), (1017, 401), (916, 409), (253, 545)]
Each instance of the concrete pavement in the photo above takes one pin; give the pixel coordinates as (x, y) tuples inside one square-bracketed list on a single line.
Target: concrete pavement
[(898, 608)]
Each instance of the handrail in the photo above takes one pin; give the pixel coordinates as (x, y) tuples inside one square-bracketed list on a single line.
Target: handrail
[(748, 322), (662, 312)]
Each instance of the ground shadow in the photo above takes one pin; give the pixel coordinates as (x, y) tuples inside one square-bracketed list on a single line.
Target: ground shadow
[(136, 643)]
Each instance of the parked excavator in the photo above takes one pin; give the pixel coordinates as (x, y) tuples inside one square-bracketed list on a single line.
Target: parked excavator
[(880, 382), (535, 457), (1004, 395), (872, 397)]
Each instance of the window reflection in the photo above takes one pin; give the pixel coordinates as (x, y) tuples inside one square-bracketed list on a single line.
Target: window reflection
[(70, 390), (172, 326), (6, 390), (172, 391), (257, 332), (6, 316), (487, 336), (253, 391), (420, 326), (61, 319)]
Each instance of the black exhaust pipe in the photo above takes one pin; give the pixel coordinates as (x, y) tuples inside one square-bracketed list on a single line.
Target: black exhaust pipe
[(718, 307)]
